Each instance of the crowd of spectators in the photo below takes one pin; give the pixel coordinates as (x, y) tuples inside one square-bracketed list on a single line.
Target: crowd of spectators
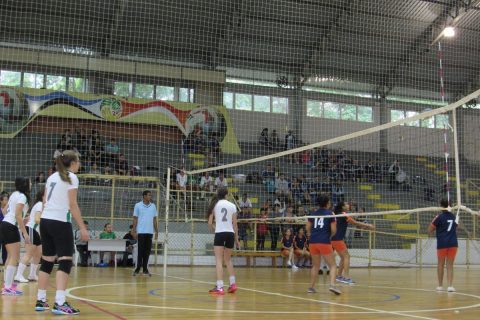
[(203, 142)]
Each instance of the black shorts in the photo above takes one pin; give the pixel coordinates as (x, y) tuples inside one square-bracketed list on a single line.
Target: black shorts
[(9, 233), (57, 238), (34, 237), (224, 239)]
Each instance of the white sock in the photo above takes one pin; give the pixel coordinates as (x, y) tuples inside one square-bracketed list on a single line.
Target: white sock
[(219, 284), (60, 297), (20, 270), (33, 270), (232, 280), (42, 295), (9, 275)]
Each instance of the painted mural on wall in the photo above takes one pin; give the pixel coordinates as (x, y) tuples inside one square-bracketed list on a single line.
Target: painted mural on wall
[(19, 106)]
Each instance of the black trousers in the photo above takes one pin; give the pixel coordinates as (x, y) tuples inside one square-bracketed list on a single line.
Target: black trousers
[(83, 252), (144, 249)]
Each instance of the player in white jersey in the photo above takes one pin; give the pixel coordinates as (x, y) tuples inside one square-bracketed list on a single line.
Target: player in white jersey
[(226, 237), (60, 205), (34, 248), (9, 230)]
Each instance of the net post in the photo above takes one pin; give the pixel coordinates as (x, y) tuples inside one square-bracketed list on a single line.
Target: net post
[(420, 252), (167, 208), (467, 253), (369, 248), (457, 161), (112, 203), (158, 220), (255, 236), (192, 239)]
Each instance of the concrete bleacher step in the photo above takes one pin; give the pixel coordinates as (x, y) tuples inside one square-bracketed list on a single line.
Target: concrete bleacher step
[(387, 206), (421, 159), (406, 226), (473, 193), (374, 196), (255, 210), (396, 216), (365, 187), (431, 165), (196, 156), (198, 164), (440, 172)]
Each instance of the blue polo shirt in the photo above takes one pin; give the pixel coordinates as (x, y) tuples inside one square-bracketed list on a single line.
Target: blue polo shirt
[(145, 214)]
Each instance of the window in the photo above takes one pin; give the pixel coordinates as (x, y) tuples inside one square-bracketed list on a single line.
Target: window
[(348, 112), (228, 100), (165, 93), (74, 84), (10, 78), (261, 103), (428, 123), (331, 110), (122, 89), (144, 91), (33, 80), (364, 114), (314, 108), (441, 121), (396, 115), (415, 123), (56, 82), (185, 95), (279, 105), (243, 101)]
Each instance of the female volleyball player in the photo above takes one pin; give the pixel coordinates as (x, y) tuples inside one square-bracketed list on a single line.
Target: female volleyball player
[(338, 240), (301, 248), (34, 249), (61, 205), (13, 221), (447, 244), (287, 248), (321, 230), (226, 236)]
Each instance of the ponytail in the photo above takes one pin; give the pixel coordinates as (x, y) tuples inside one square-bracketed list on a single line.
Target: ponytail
[(63, 162), (221, 194)]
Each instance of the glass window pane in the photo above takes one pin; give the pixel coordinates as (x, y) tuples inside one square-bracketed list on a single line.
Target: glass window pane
[(314, 108), (365, 114), (243, 101), (122, 89), (228, 100), (10, 78), (279, 105), (348, 112), (331, 110), (165, 93), (184, 95), (441, 120), (144, 91), (192, 94), (412, 123), (56, 82), (396, 115), (428, 123), (33, 80), (75, 84), (261, 103)]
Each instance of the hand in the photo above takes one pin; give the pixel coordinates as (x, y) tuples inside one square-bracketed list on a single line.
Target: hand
[(211, 227), (237, 242), (26, 238), (84, 236)]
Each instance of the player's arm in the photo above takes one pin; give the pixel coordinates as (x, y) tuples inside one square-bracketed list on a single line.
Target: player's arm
[(19, 217), (361, 225), (235, 229), (308, 228), (136, 212), (432, 226), (210, 222), (155, 226), (333, 227)]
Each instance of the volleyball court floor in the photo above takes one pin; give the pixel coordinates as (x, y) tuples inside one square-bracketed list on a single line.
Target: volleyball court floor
[(264, 293)]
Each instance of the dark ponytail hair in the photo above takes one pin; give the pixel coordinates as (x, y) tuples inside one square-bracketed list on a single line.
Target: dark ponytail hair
[(63, 162), (339, 207), (221, 194), (22, 184), (38, 197)]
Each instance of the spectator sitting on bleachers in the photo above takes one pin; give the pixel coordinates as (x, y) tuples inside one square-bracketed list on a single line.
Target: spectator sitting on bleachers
[(221, 181), (181, 181), (245, 213), (370, 171), (268, 173), (264, 139), (206, 184), (297, 193), (282, 187), (112, 151), (121, 165)]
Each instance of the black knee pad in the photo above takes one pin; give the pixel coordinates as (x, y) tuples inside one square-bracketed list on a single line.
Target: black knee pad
[(65, 266), (46, 266)]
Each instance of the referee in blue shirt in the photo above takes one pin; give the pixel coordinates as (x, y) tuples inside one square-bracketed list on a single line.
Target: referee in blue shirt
[(145, 228)]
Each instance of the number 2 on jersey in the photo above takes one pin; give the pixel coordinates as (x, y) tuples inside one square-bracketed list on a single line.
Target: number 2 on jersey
[(52, 186), (318, 223), (224, 218)]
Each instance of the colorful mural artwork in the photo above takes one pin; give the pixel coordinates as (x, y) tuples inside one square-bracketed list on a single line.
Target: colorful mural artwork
[(20, 106)]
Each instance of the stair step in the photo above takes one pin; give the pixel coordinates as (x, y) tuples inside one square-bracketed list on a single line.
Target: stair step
[(365, 187), (387, 206), (431, 165), (373, 196), (196, 156), (421, 159)]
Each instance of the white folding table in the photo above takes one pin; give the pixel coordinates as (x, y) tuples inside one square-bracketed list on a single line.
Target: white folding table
[(109, 245)]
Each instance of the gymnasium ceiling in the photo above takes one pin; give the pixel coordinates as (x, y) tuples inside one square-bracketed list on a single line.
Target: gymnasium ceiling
[(385, 43)]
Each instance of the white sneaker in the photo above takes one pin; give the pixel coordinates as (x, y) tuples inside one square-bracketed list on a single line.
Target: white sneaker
[(294, 267), (451, 289), (439, 288), (34, 278), (20, 279), (289, 263)]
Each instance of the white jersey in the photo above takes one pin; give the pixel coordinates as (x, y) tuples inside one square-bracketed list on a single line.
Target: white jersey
[(31, 221), (57, 205), (224, 211), (15, 198)]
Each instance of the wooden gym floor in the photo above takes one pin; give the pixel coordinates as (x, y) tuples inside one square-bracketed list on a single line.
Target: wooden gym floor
[(264, 293)]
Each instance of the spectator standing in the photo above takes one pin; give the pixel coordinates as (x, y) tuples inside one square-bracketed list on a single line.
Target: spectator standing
[(282, 188), (392, 173), (112, 150), (290, 143), (263, 139)]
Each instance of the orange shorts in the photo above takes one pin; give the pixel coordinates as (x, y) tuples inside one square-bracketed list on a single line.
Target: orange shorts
[(339, 245), (285, 253), (450, 253), (322, 249)]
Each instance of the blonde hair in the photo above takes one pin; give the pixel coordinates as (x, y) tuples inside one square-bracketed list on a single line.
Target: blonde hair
[(63, 162)]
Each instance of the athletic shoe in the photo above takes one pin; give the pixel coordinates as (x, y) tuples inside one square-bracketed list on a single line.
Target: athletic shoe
[(311, 290), (289, 264), (135, 273), (20, 279), (320, 271), (335, 290), (294, 267), (339, 279), (439, 288), (41, 306), (232, 288), (64, 309), (12, 291), (451, 289), (34, 279), (348, 281), (217, 291)]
